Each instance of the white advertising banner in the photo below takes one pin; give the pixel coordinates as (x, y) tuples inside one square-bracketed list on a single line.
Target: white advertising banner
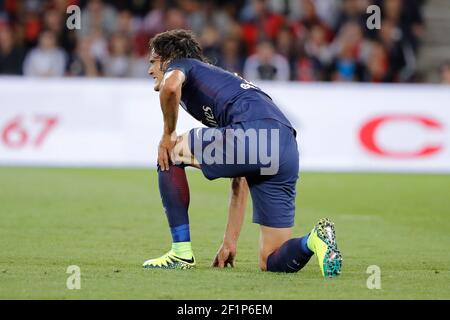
[(111, 122)]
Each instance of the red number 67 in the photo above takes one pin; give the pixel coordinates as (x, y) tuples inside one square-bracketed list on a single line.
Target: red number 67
[(14, 135)]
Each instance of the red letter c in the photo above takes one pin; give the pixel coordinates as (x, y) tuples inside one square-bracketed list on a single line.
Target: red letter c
[(368, 131)]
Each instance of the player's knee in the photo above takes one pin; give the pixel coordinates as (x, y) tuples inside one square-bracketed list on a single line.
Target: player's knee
[(177, 158), (181, 153)]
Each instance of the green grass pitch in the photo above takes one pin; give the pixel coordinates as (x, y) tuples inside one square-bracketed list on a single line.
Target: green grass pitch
[(108, 221)]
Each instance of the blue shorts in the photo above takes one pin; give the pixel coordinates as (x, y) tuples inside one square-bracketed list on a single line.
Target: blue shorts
[(265, 152)]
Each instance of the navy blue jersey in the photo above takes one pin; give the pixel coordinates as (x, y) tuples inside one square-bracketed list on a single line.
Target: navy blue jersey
[(218, 98)]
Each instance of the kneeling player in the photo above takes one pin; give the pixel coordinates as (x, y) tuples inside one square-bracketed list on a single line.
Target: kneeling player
[(249, 140)]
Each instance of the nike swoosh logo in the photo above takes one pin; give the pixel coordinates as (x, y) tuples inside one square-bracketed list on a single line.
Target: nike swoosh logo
[(186, 260), (291, 267)]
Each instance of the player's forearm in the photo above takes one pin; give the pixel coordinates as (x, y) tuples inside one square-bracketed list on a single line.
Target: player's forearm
[(169, 100), (236, 211)]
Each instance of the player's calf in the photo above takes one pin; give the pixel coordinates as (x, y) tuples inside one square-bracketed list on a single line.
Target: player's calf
[(292, 256), (174, 191), (279, 252)]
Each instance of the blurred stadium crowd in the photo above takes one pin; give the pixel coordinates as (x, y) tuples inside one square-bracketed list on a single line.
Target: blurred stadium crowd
[(298, 40)]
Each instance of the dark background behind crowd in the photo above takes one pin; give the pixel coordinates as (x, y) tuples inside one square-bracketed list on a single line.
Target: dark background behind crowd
[(298, 40)]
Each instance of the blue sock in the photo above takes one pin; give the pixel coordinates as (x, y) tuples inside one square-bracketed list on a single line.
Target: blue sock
[(174, 190), (180, 233), (291, 256)]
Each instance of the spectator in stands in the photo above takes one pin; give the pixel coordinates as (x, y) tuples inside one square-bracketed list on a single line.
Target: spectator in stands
[(266, 64), (318, 56), (61, 5), (402, 60), (98, 44), (231, 58), (205, 13), (353, 10), (124, 24), (118, 62), (287, 47), (210, 42), (328, 11), (154, 20), (377, 68), (11, 55), (175, 19), (83, 62), (260, 24), (53, 22), (139, 59), (309, 18), (47, 60), (347, 65), (98, 16), (29, 18), (407, 18)]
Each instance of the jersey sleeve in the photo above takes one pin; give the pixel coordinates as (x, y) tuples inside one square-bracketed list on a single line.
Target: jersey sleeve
[(184, 65)]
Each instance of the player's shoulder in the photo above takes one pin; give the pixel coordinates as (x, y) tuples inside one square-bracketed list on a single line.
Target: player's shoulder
[(194, 68), (181, 64), (185, 65), (190, 62)]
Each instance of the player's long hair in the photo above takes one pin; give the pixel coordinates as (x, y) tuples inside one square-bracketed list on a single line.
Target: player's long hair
[(175, 44)]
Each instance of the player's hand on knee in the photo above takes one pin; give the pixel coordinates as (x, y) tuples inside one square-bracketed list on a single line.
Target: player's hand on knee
[(224, 256), (165, 147)]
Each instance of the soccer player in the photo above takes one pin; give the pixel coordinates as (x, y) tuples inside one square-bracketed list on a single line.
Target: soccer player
[(234, 111)]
